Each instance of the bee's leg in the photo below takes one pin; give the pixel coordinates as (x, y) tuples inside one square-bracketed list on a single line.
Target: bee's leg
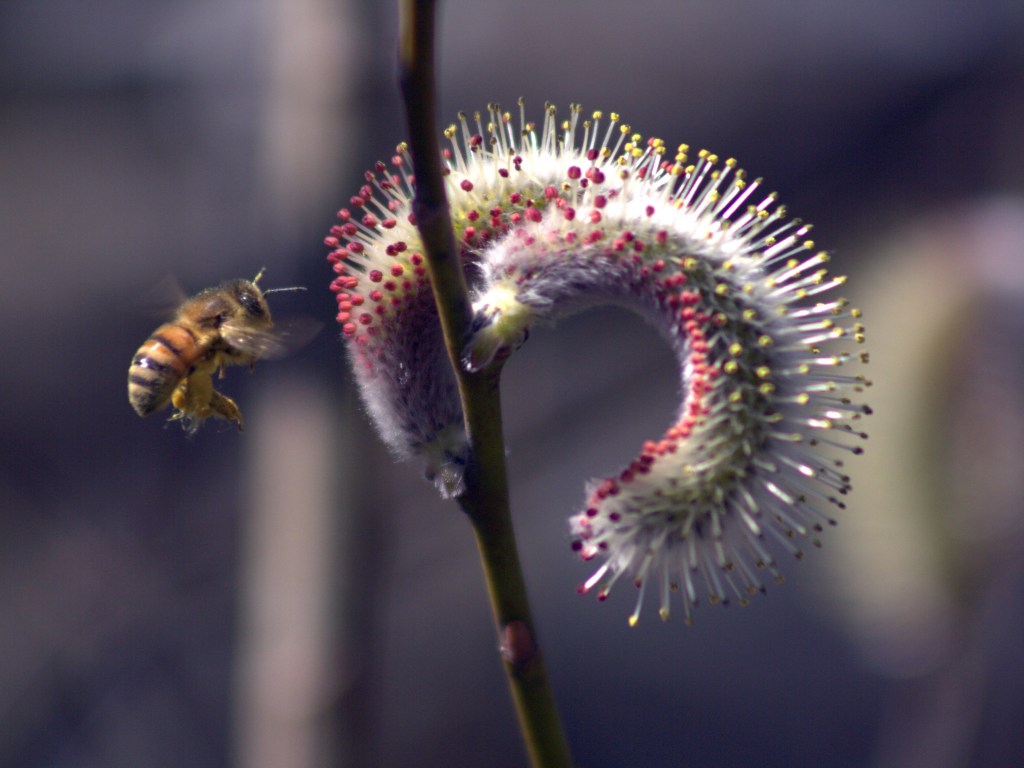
[(224, 407), (192, 397)]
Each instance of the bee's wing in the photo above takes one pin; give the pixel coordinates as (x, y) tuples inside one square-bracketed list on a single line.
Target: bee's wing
[(161, 299), (278, 341)]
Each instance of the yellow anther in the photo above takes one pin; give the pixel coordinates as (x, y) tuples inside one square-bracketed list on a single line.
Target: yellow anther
[(764, 340), (763, 371), (767, 388), (749, 314), (722, 289), (731, 367), (736, 349), (597, 114)]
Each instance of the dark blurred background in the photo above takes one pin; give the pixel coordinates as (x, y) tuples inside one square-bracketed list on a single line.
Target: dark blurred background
[(291, 596)]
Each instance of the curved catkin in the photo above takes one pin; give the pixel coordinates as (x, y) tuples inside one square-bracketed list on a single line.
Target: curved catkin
[(585, 212)]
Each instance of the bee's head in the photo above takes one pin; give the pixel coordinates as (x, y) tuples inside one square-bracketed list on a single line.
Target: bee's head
[(250, 299)]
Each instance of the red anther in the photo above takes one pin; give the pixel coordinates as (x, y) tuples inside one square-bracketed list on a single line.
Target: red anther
[(574, 172), (466, 185), (600, 201)]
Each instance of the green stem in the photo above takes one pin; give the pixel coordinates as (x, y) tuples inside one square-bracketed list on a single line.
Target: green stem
[(486, 498)]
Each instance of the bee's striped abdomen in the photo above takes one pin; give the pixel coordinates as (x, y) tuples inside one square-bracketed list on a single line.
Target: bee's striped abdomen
[(159, 365)]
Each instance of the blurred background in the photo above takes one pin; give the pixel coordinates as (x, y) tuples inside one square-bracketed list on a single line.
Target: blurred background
[(290, 596)]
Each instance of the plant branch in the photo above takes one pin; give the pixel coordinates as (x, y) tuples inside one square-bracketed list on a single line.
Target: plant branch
[(486, 498)]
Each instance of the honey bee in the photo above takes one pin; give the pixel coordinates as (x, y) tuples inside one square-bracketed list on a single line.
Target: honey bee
[(229, 324)]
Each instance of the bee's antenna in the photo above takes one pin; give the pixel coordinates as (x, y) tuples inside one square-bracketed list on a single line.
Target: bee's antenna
[(290, 288)]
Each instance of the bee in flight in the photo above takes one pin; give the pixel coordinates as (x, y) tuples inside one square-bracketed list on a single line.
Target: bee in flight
[(229, 324)]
